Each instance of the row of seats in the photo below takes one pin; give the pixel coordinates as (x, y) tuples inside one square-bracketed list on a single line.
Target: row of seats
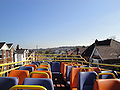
[(75, 75), (35, 73), (80, 77)]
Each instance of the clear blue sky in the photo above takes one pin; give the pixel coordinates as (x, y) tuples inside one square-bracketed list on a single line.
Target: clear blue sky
[(53, 23)]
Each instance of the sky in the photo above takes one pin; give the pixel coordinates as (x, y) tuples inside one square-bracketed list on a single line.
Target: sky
[(54, 23)]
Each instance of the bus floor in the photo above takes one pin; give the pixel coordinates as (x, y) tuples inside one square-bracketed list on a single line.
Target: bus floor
[(59, 83)]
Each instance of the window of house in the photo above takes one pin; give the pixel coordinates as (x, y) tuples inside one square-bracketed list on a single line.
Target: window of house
[(8, 53), (0, 54), (4, 54)]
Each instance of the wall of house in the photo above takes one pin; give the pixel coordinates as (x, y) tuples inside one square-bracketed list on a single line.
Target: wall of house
[(11, 54), (3, 54), (5, 47), (18, 57)]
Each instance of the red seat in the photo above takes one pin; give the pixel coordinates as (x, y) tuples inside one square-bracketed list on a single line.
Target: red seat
[(96, 69), (74, 78), (39, 76), (34, 66), (107, 84), (62, 67), (20, 74)]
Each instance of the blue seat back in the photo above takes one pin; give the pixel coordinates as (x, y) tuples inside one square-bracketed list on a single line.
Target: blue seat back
[(35, 63), (42, 69), (30, 69), (86, 80), (7, 82), (85, 66), (47, 83), (55, 66), (38, 62), (108, 76)]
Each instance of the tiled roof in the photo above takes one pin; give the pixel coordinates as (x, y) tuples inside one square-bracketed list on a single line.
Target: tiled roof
[(108, 49), (103, 43), (108, 52)]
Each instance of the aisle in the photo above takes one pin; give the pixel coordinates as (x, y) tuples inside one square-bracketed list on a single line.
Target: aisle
[(58, 82)]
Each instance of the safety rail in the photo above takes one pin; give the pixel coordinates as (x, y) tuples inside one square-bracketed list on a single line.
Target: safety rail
[(99, 74), (53, 57), (58, 55), (7, 67), (31, 87)]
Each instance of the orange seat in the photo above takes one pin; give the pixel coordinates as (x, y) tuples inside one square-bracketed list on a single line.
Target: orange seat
[(74, 78), (44, 66), (107, 84), (86, 69), (64, 71), (20, 74), (61, 67), (39, 76), (34, 66), (96, 69)]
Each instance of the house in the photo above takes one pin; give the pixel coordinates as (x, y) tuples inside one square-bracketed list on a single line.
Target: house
[(9, 52), (21, 55), (106, 51), (6, 52)]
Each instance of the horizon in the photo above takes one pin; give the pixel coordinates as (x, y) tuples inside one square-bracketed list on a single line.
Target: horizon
[(49, 24)]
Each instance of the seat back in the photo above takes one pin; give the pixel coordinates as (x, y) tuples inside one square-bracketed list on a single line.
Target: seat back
[(107, 84), (36, 63), (29, 68), (7, 82), (32, 65), (44, 63), (45, 82), (108, 76), (86, 80), (55, 66), (64, 71), (42, 69), (86, 69), (74, 77), (39, 74), (48, 66), (96, 69), (20, 74), (68, 71), (62, 66)]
